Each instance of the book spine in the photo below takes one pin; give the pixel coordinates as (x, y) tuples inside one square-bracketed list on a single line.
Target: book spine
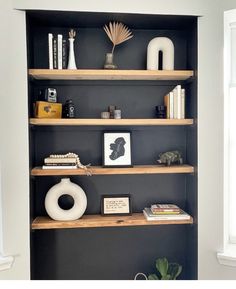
[(167, 105), (59, 51), (175, 96), (183, 103), (50, 50), (59, 164), (55, 53), (64, 54), (59, 160), (179, 102), (171, 96), (58, 167)]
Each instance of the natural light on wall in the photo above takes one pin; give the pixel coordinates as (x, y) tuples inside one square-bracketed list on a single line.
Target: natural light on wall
[(227, 255), (232, 136)]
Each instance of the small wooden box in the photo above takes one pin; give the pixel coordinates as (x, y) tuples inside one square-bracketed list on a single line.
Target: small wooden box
[(45, 109)]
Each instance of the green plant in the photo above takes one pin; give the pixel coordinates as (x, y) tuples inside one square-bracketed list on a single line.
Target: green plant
[(166, 270)]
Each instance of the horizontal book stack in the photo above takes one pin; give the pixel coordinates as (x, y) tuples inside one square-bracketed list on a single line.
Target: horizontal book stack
[(160, 212), (175, 103), (57, 51), (60, 163)]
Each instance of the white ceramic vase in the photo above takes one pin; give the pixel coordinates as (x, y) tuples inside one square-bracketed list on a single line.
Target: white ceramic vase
[(76, 192), (71, 60)]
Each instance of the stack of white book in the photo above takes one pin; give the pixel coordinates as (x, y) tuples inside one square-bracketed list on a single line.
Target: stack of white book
[(160, 212), (60, 163), (57, 51), (175, 103)]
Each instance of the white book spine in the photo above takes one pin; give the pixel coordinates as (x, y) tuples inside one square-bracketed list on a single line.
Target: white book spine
[(175, 102), (171, 96), (179, 105), (59, 167), (183, 103), (59, 51), (50, 50)]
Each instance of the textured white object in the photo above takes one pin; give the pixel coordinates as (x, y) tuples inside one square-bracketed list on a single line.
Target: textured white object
[(156, 45), (71, 61), (65, 187)]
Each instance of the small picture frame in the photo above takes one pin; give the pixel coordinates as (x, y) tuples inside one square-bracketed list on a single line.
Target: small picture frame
[(116, 205), (117, 149)]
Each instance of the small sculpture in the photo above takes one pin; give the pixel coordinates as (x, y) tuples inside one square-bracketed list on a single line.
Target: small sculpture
[(71, 61), (156, 45), (171, 157), (117, 33)]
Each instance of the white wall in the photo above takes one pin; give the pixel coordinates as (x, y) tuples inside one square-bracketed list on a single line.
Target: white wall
[(14, 141), (210, 134)]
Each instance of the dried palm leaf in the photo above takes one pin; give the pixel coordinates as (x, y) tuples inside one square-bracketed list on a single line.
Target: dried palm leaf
[(118, 33)]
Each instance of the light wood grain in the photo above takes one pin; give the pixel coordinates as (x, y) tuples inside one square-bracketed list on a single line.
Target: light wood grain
[(104, 74), (93, 221), (96, 170), (109, 122)]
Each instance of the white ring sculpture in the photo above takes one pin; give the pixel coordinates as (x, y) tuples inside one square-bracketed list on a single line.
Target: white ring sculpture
[(156, 45), (65, 187)]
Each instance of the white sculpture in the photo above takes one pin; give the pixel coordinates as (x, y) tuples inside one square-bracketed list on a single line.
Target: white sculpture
[(156, 45), (65, 187), (71, 61)]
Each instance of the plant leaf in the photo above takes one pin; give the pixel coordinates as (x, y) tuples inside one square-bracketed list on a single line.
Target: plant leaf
[(117, 32), (174, 270), (162, 266), (153, 277), (166, 277)]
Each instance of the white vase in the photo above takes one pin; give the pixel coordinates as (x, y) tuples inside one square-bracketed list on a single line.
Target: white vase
[(71, 61), (65, 187)]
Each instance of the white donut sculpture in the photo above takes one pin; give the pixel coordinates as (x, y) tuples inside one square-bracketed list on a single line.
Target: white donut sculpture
[(65, 187), (156, 45)]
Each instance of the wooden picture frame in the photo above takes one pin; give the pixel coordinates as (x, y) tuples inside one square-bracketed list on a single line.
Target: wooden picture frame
[(117, 149), (116, 205)]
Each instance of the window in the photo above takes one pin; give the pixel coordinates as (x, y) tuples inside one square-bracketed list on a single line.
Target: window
[(228, 257)]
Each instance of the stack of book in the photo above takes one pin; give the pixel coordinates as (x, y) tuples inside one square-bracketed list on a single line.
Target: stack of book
[(160, 212), (60, 163), (57, 51), (175, 103)]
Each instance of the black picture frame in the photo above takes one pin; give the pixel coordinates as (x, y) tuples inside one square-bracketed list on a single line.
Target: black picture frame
[(117, 204), (121, 154)]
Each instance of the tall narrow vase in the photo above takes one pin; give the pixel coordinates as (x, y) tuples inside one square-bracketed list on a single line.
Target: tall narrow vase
[(71, 61)]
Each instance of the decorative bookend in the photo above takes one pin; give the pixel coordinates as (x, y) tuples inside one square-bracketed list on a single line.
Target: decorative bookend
[(71, 61), (67, 188), (156, 45)]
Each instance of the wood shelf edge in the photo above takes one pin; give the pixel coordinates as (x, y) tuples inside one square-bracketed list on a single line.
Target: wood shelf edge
[(98, 170), (95, 221), (103, 74), (108, 122)]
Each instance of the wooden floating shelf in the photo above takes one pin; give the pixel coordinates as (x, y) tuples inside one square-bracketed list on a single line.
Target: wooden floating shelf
[(104, 74), (95, 221), (108, 122), (96, 170)]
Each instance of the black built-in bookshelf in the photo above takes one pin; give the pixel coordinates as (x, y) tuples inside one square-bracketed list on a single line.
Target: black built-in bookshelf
[(114, 252)]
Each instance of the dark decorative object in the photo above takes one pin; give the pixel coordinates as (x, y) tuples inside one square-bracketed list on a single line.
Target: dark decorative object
[(69, 109), (117, 149), (111, 109), (117, 33), (171, 157), (116, 205), (161, 111)]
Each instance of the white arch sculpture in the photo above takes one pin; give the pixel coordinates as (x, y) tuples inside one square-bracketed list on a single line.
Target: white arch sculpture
[(165, 45)]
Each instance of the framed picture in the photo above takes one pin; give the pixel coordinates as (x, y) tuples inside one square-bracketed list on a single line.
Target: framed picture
[(116, 205), (117, 149)]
